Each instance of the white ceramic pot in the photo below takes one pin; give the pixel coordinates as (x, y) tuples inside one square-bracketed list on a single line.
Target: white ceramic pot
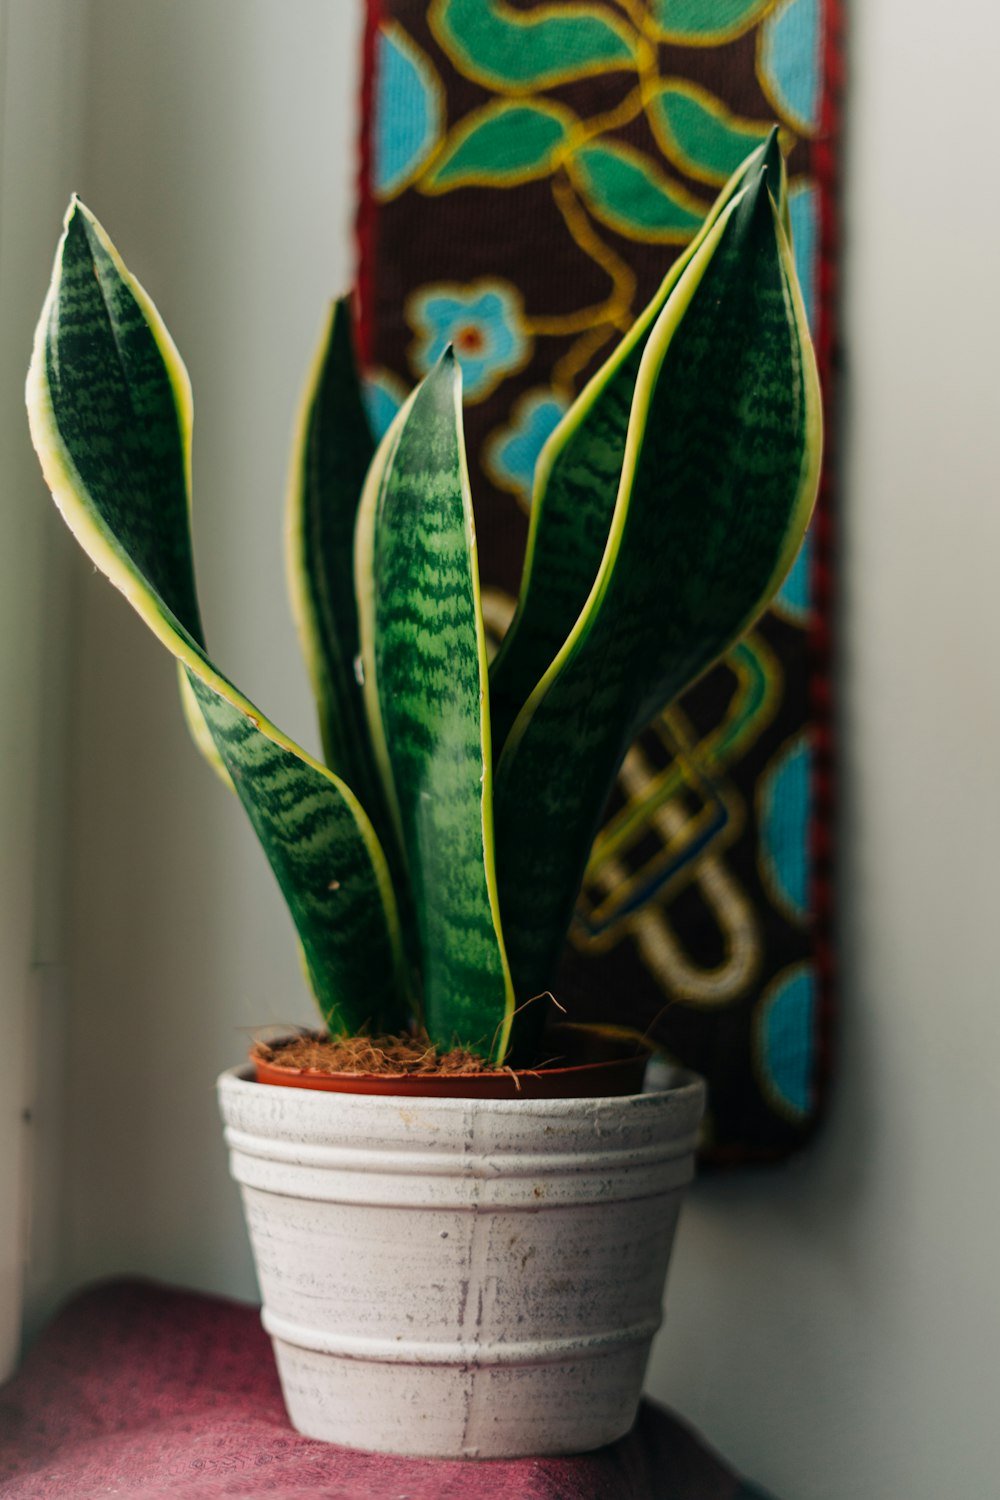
[(461, 1278)]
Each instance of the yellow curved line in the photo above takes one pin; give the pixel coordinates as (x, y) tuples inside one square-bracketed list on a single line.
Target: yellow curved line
[(616, 309), (637, 14), (613, 119), (691, 754), (675, 829), (662, 953), (527, 21), (578, 356)]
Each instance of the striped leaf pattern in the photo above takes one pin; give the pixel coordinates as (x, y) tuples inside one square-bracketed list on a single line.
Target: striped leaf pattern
[(110, 410), (720, 474), (424, 654), (576, 485), (332, 452)]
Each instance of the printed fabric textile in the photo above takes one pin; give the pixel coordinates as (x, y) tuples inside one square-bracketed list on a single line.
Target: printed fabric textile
[(145, 1392), (529, 171)]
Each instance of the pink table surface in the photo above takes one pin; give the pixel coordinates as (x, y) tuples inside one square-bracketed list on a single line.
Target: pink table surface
[(144, 1391)]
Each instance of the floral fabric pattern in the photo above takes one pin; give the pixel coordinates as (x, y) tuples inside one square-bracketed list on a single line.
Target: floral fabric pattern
[(533, 167), (481, 321)]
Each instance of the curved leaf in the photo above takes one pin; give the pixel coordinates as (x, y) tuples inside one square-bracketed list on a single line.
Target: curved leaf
[(424, 653), (576, 484), (332, 451), (514, 50), (720, 474), (699, 133), (500, 145), (110, 410), (629, 193)]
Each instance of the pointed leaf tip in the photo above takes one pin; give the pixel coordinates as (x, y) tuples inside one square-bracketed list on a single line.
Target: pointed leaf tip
[(754, 206), (444, 380)]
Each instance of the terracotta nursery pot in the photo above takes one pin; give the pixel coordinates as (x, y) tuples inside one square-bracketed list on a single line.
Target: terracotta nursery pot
[(461, 1277), (587, 1061)]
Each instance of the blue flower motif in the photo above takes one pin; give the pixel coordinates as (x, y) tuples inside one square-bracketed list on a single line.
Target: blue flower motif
[(482, 321), (511, 453)]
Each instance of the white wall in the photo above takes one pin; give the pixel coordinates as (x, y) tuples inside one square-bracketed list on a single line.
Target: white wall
[(833, 1327), (219, 157), (40, 108), (836, 1326)]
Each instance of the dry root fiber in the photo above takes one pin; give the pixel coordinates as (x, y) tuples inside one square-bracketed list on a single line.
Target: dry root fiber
[(386, 1055)]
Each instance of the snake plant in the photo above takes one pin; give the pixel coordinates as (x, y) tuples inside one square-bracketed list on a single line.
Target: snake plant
[(431, 864)]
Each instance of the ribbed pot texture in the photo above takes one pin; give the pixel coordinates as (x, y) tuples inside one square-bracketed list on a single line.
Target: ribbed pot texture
[(461, 1278)]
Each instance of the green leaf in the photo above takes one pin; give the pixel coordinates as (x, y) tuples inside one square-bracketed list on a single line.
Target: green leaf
[(424, 652), (576, 485), (110, 410), (333, 449), (500, 145), (629, 193), (694, 23), (720, 474), (699, 133), (517, 50)]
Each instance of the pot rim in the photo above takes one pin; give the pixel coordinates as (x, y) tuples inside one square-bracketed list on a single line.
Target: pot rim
[(620, 1074), (680, 1085)]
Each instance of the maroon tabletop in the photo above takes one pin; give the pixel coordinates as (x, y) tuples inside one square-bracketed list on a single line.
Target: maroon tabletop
[(142, 1391)]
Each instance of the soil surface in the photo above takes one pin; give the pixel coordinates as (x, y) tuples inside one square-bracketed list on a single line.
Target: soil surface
[(366, 1054)]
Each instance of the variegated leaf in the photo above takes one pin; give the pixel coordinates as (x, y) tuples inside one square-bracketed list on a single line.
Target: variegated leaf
[(576, 485), (424, 654), (109, 404), (719, 478)]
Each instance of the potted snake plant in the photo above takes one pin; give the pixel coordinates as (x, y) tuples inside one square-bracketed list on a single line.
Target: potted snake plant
[(458, 1262)]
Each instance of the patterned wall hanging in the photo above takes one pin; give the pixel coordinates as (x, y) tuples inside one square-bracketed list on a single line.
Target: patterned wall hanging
[(529, 170)]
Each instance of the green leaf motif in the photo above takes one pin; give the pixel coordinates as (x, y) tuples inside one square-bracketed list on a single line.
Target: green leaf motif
[(424, 655), (500, 145), (576, 485), (699, 133), (631, 195), (515, 50), (721, 470), (696, 23), (110, 410)]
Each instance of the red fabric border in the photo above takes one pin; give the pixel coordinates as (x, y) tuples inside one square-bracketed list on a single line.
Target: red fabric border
[(826, 164)]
